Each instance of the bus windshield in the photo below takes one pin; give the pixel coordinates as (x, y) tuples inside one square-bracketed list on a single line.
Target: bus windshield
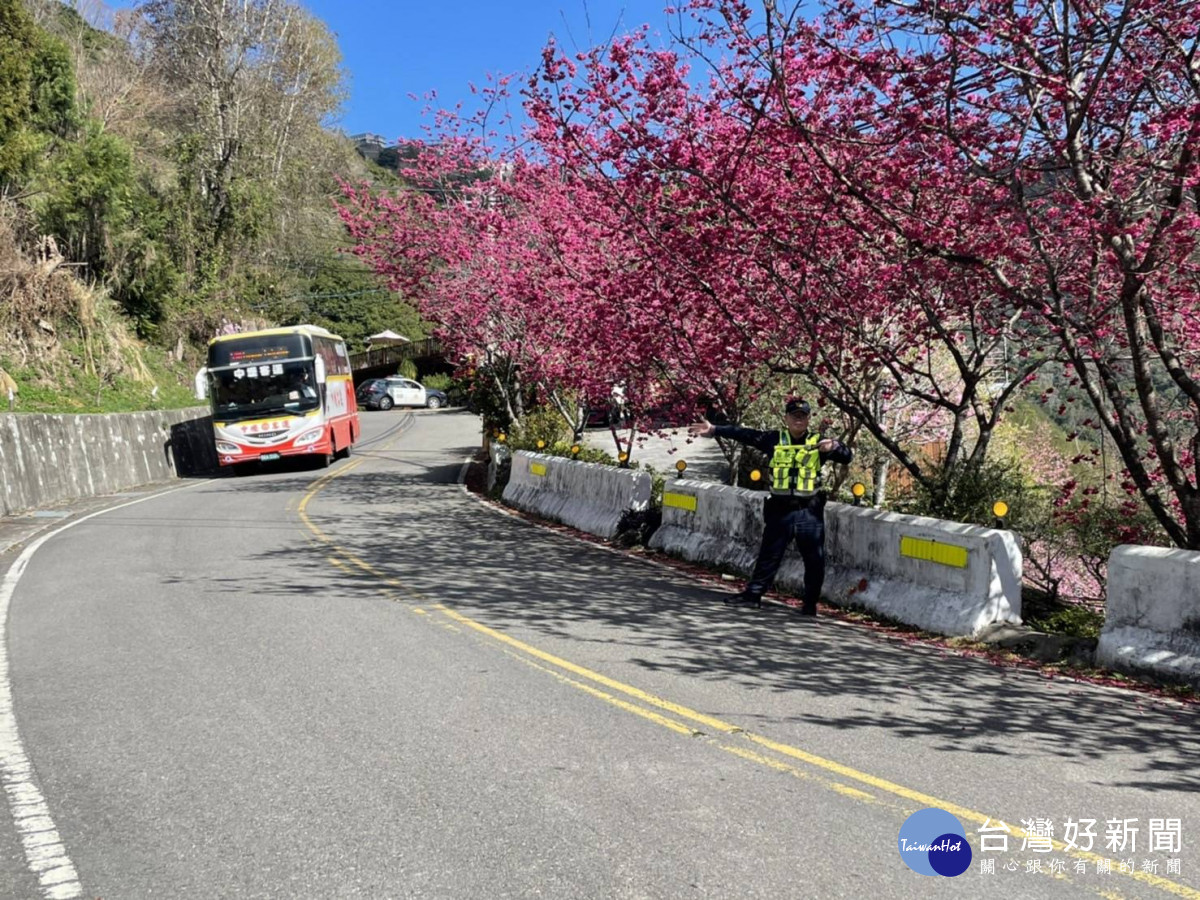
[(275, 388)]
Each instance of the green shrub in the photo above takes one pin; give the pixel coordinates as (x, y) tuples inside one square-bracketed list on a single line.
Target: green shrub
[(483, 396), (1044, 612), (456, 390), (967, 493), (657, 481), (542, 424)]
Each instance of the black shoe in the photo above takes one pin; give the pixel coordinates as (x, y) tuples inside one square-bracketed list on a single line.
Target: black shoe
[(745, 598)]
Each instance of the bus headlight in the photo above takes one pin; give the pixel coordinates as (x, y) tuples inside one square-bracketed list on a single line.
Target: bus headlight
[(226, 448), (310, 437)]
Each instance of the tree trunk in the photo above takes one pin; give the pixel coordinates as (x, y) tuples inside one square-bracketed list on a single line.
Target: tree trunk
[(880, 474), (734, 455)]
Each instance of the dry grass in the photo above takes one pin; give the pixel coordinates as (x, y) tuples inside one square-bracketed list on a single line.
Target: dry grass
[(49, 320)]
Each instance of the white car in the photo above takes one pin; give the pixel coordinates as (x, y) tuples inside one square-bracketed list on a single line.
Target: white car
[(384, 393)]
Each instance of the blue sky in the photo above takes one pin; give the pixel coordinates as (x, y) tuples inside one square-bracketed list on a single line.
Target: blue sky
[(392, 49), (402, 47)]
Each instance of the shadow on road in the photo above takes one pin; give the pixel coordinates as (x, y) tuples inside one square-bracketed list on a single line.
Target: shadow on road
[(413, 522)]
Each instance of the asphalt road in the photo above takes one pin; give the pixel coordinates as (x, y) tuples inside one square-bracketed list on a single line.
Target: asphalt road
[(364, 682), (662, 450)]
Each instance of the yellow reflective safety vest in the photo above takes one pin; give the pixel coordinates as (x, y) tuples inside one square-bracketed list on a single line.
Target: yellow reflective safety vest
[(795, 468)]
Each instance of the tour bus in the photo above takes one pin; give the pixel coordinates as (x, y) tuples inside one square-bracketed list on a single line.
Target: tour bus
[(280, 392)]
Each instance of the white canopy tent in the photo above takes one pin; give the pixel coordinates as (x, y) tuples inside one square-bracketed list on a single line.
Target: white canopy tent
[(386, 338)]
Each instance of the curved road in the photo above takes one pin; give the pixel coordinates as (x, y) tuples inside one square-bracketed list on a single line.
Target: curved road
[(366, 683)]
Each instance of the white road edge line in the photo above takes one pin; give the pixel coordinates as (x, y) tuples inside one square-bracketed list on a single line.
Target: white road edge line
[(44, 851), (462, 473)]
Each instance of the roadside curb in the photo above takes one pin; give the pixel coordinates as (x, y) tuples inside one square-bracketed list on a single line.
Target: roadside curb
[(1042, 646)]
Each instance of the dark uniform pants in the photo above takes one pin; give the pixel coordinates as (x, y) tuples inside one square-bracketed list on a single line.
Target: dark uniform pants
[(783, 522)]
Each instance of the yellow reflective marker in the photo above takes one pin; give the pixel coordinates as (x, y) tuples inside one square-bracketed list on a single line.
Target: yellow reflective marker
[(574, 448), (1000, 509), (681, 465), (859, 489), (537, 468), (756, 475), (679, 501), (934, 551), (541, 445)]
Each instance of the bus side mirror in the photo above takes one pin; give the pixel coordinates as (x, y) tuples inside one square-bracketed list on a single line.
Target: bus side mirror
[(320, 370), (202, 384)]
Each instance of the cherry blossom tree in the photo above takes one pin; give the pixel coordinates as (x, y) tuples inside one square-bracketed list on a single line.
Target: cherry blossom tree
[(771, 263), (914, 205), (1064, 138)]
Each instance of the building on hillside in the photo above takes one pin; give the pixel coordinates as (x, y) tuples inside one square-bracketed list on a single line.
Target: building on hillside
[(368, 144), (398, 155)]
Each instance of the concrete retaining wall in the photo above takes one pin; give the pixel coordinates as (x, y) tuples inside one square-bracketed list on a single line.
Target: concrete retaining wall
[(589, 497), (1152, 613), (969, 577), (47, 459)]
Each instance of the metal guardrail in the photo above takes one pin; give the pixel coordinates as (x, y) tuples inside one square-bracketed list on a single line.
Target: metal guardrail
[(394, 353)]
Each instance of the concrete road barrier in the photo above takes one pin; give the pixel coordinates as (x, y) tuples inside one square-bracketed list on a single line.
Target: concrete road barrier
[(589, 497), (1152, 613), (944, 577), (498, 458), (941, 576), (711, 523), (47, 459)]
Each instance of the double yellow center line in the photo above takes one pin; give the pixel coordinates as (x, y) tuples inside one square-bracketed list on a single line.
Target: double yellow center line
[(677, 717)]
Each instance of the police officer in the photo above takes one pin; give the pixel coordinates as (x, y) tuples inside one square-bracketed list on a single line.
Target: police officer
[(796, 507)]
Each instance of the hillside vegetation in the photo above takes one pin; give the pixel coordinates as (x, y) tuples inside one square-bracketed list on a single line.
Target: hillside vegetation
[(166, 172)]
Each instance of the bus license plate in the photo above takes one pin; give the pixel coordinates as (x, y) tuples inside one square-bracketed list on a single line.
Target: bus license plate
[(267, 457)]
